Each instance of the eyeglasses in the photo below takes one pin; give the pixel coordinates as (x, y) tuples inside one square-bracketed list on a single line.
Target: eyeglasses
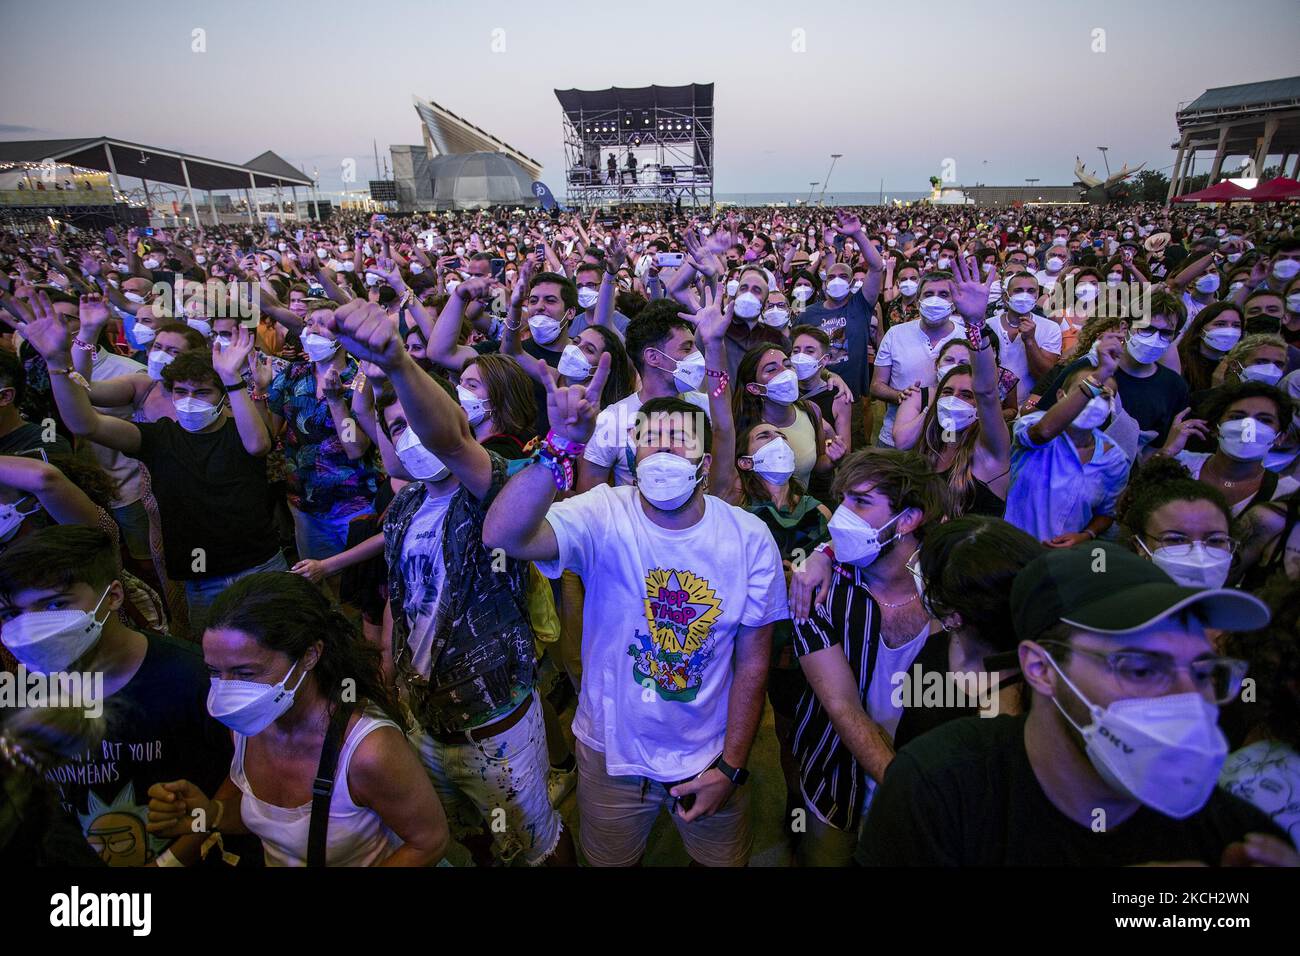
[(1174, 539), (1150, 674)]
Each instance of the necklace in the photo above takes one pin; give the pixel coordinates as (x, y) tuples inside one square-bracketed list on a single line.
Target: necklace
[(891, 606)]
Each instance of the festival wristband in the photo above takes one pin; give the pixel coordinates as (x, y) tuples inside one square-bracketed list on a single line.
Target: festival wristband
[(168, 858), (559, 445), (561, 467), (723, 381)]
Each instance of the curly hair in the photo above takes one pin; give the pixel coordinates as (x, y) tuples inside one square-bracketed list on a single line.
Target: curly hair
[(1153, 484)]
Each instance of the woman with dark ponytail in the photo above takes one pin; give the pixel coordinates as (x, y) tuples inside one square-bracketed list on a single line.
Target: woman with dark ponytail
[(283, 662)]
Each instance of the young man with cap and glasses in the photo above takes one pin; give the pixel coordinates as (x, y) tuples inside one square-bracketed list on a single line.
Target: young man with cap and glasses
[(1116, 762)]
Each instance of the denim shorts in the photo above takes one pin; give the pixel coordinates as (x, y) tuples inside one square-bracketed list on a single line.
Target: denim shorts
[(202, 592), (322, 535)]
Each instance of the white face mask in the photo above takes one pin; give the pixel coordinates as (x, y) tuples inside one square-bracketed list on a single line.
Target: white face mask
[(12, 517), (157, 361), (247, 707), (747, 305), (908, 287), (803, 292), (200, 259), (1164, 752), (1192, 565), (201, 326), (1208, 283), (838, 287), (573, 364), (587, 297), (689, 372), (1086, 293), (372, 280), (224, 342), (152, 263), (194, 414), (1022, 303), (1094, 414), (545, 329), (1146, 347), (733, 287), (783, 388), (856, 541), (776, 317), (1286, 269), (1265, 372), (475, 408), (1221, 339), (1246, 439), (135, 297), (935, 309), (774, 462), (416, 269), (451, 285), (805, 366), (1055, 264), (666, 480), (49, 642), (420, 463), (318, 347), (955, 414)]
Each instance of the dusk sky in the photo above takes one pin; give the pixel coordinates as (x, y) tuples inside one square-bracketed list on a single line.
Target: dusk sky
[(896, 87)]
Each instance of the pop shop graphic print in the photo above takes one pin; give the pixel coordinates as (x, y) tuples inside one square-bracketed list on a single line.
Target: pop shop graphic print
[(680, 610)]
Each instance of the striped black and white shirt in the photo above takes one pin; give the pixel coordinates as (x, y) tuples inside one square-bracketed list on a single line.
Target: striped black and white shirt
[(833, 784)]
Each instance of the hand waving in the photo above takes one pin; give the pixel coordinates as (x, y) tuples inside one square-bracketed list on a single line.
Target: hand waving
[(572, 409)]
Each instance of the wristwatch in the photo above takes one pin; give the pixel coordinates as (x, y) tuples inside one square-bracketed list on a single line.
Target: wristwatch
[(737, 775)]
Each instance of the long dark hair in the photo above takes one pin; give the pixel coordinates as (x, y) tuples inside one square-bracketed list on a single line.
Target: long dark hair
[(287, 613), (752, 488), (747, 409), (621, 379)]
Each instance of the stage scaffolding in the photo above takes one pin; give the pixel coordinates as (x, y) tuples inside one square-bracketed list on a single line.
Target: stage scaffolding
[(667, 129)]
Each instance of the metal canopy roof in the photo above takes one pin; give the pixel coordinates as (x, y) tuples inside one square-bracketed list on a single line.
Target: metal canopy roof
[(691, 96), (148, 162), (1268, 93), (447, 134)]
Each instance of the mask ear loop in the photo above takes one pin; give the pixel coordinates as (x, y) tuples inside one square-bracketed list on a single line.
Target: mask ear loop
[(1095, 711)]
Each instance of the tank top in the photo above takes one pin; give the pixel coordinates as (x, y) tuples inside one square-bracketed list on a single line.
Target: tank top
[(356, 836), (803, 440), (980, 498)]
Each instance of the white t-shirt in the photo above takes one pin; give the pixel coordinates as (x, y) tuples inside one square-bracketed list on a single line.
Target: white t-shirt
[(1012, 355), (908, 354), (1194, 461), (123, 469), (423, 573), (613, 435), (660, 620), (880, 705)]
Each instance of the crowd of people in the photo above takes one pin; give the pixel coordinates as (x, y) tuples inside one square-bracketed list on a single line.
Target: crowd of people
[(503, 529)]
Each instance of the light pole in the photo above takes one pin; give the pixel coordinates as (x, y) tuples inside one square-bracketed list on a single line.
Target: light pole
[(835, 157), (811, 187), (1105, 160)]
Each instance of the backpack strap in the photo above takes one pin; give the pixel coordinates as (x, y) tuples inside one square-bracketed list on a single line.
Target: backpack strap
[(323, 786)]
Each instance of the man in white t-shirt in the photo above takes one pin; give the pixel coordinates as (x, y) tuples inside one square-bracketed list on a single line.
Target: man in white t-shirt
[(908, 352), (1030, 343), (663, 350), (682, 593)]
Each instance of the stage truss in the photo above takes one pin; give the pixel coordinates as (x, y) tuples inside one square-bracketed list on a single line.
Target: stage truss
[(668, 130)]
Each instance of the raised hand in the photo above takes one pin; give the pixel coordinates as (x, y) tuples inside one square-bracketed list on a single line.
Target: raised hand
[(332, 387), (479, 287), (47, 332), (970, 294), (368, 332), (1181, 430), (711, 321), (847, 224), (229, 361), (572, 409), (92, 311)]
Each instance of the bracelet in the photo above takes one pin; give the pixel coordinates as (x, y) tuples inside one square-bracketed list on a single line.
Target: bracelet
[(1090, 533), (560, 465), (559, 445), (168, 858), (84, 346), (256, 395), (221, 812), (723, 381), (236, 387)]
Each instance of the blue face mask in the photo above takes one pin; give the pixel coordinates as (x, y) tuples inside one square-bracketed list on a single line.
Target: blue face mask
[(138, 337)]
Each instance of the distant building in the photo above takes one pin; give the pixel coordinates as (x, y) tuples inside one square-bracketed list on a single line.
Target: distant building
[(459, 166)]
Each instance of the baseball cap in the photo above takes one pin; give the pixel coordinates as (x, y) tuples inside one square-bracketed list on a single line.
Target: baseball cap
[(1117, 592)]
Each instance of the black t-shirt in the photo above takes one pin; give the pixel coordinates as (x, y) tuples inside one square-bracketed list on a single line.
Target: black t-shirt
[(28, 437), (965, 794), (212, 494), (158, 730), (1153, 401)]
